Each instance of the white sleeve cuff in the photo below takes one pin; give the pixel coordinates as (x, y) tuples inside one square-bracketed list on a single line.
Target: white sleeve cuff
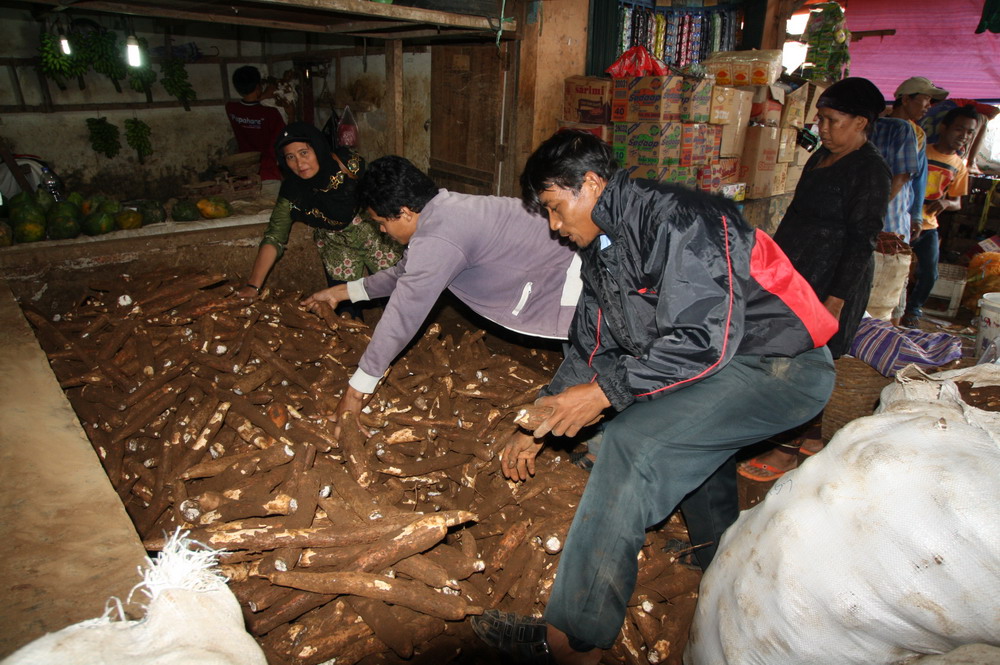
[(356, 292), (363, 382)]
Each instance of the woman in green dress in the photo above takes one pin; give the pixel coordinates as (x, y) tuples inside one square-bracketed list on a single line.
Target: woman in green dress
[(320, 189)]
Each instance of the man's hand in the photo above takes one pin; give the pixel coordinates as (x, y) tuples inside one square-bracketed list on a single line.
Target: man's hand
[(834, 305), (332, 296), (353, 401), (935, 207), (517, 461), (572, 409)]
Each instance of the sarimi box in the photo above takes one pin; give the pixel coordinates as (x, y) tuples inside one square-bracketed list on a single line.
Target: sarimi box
[(587, 99), (647, 99), (603, 132)]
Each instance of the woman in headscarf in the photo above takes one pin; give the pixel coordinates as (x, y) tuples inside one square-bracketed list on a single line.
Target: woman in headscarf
[(830, 229), (320, 189)]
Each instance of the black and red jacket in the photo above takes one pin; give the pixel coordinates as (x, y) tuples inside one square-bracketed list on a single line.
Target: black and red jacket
[(685, 285)]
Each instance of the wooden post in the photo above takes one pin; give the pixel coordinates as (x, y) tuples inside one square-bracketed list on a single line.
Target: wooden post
[(394, 94)]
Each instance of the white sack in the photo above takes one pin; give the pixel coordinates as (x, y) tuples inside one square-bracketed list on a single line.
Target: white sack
[(192, 617), (882, 547)]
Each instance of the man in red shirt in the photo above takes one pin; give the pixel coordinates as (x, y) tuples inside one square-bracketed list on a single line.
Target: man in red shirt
[(255, 126)]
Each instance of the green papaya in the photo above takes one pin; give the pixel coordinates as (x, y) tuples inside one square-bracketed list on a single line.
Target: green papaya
[(152, 212), (92, 204), (129, 218), (27, 211), (29, 230), (76, 198), (185, 211), (44, 198), (63, 221), (111, 206), (97, 223)]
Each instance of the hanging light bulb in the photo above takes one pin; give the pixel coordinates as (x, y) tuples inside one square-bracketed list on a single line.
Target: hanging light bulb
[(64, 43), (132, 51)]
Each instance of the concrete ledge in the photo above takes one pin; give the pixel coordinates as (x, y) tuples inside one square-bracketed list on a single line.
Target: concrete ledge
[(66, 543)]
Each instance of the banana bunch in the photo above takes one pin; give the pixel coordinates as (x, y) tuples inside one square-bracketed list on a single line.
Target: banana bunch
[(174, 80), (57, 65), (137, 136), (106, 55), (104, 137)]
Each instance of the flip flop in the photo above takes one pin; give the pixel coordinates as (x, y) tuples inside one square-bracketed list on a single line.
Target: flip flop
[(519, 637), (745, 470), (582, 460), (806, 452)]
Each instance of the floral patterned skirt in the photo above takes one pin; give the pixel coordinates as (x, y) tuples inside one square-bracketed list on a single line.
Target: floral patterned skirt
[(347, 253)]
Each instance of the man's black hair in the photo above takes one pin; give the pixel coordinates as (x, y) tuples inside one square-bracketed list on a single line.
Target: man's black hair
[(391, 182), (967, 111), (563, 160), (246, 79)]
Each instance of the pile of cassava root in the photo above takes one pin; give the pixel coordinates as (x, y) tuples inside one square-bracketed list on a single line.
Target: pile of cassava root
[(209, 412)]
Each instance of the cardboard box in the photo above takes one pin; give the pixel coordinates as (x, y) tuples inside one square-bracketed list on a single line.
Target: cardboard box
[(587, 99), (759, 163), (788, 143), (710, 177), (603, 132), (740, 72), (684, 176), (793, 112), (647, 99), (729, 170), (697, 144), (652, 144), (730, 106), (696, 99), (619, 138), (733, 137), (767, 104), (657, 173), (766, 213), (793, 176), (814, 92)]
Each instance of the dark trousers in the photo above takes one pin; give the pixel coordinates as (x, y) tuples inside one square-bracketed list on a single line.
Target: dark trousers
[(927, 251), (653, 455)]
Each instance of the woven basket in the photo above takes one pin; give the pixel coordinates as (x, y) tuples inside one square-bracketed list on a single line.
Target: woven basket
[(855, 394)]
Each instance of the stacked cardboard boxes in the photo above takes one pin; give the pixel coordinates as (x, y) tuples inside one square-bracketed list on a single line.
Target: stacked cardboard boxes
[(587, 106)]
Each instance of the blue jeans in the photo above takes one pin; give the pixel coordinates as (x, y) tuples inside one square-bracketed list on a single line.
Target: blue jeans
[(653, 455), (927, 252)]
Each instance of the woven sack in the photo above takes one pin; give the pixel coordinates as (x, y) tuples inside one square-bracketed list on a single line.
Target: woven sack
[(855, 394)]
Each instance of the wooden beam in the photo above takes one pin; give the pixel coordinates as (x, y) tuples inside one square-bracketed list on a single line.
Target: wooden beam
[(394, 94), (367, 8)]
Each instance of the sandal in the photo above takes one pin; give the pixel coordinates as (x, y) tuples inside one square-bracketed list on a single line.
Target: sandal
[(519, 637), (758, 471), (582, 460)]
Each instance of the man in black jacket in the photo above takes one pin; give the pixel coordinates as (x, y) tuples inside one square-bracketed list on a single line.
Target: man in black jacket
[(694, 335)]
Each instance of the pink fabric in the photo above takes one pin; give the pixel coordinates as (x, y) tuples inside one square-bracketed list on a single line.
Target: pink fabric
[(934, 38)]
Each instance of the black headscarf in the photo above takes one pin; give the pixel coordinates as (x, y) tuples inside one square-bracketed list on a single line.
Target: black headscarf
[(854, 95), (329, 199)]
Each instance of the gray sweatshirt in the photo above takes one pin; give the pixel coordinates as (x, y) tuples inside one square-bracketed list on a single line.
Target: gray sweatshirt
[(497, 258)]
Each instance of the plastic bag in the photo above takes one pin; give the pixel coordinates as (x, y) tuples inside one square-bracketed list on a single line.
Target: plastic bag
[(882, 547), (636, 61), (347, 130)]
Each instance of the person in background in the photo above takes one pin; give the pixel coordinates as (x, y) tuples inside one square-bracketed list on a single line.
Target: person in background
[(931, 124), (902, 144), (829, 232), (255, 126), (694, 334), (947, 182), (492, 254), (320, 190)]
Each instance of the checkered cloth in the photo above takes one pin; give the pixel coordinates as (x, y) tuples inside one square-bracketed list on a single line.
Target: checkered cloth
[(889, 349)]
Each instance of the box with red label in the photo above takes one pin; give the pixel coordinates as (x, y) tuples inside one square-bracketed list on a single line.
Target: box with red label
[(730, 106), (696, 100), (646, 99), (729, 169), (697, 144), (759, 161), (787, 145), (710, 177), (603, 132), (587, 99)]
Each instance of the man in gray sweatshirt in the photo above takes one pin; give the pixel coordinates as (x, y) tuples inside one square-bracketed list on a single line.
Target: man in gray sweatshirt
[(488, 251)]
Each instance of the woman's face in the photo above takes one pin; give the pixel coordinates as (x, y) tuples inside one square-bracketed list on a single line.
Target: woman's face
[(301, 159), (839, 131)]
